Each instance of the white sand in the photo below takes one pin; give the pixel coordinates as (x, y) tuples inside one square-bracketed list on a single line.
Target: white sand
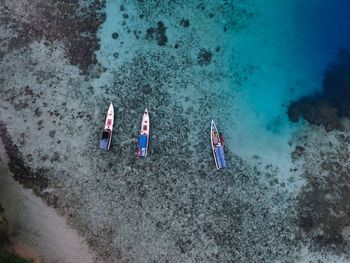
[(38, 226)]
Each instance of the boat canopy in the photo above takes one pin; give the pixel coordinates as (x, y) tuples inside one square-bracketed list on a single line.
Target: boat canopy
[(143, 141), (220, 157), (106, 133), (104, 143), (142, 145)]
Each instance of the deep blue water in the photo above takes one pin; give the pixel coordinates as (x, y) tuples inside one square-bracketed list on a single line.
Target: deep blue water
[(327, 29)]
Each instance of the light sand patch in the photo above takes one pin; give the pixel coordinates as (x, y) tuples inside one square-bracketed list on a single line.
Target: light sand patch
[(306, 255), (37, 227), (25, 252)]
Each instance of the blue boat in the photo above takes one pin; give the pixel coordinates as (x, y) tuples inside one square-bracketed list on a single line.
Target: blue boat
[(217, 147), (143, 139)]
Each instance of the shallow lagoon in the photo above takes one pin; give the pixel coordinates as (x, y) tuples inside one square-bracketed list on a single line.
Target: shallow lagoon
[(236, 62), (264, 55)]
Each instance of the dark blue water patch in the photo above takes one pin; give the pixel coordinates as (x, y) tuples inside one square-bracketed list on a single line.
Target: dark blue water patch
[(326, 108), (336, 84), (334, 24), (324, 26)]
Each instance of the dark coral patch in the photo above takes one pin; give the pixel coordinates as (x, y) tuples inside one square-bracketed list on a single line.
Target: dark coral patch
[(185, 23), (38, 112), (52, 133), (22, 173), (115, 35), (204, 56), (323, 205), (315, 110), (61, 19), (328, 107), (158, 34)]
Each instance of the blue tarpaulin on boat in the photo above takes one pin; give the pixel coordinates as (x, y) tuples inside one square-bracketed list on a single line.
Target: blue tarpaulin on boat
[(143, 145), (104, 144), (220, 157), (143, 141)]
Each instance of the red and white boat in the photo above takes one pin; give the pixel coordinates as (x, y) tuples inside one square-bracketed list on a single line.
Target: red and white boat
[(106, 137), (143, 139)]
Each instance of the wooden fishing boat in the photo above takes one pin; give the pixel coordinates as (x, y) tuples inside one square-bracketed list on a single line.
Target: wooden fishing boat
[(106, 137), (217, 147), (143, 139)]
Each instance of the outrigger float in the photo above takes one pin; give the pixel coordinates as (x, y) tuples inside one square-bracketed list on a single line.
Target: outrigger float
[(106, 138), (217, 147), (143, 139)]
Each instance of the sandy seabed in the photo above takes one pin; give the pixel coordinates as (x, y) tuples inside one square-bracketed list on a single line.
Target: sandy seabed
[(172, 206), (35, 228)]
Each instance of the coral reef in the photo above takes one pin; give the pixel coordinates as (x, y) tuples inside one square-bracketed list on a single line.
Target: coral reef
[(323, 207), (22, 173), (158, 34), (174, 200), (69, 21), (315, 110), (172, 206), (328, 107), (185, 22), (204, 56)]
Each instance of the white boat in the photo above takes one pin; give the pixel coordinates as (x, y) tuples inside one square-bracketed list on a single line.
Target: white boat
[(143, 139), (106, 137), (217, 147)]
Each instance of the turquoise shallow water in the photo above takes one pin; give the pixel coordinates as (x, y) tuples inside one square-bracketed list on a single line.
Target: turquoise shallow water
[(264, 55), (294, 45), (289, 45)]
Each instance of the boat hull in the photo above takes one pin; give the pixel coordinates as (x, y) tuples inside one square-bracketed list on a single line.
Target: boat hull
[(143, 139), (105, 141), (217, 147)]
